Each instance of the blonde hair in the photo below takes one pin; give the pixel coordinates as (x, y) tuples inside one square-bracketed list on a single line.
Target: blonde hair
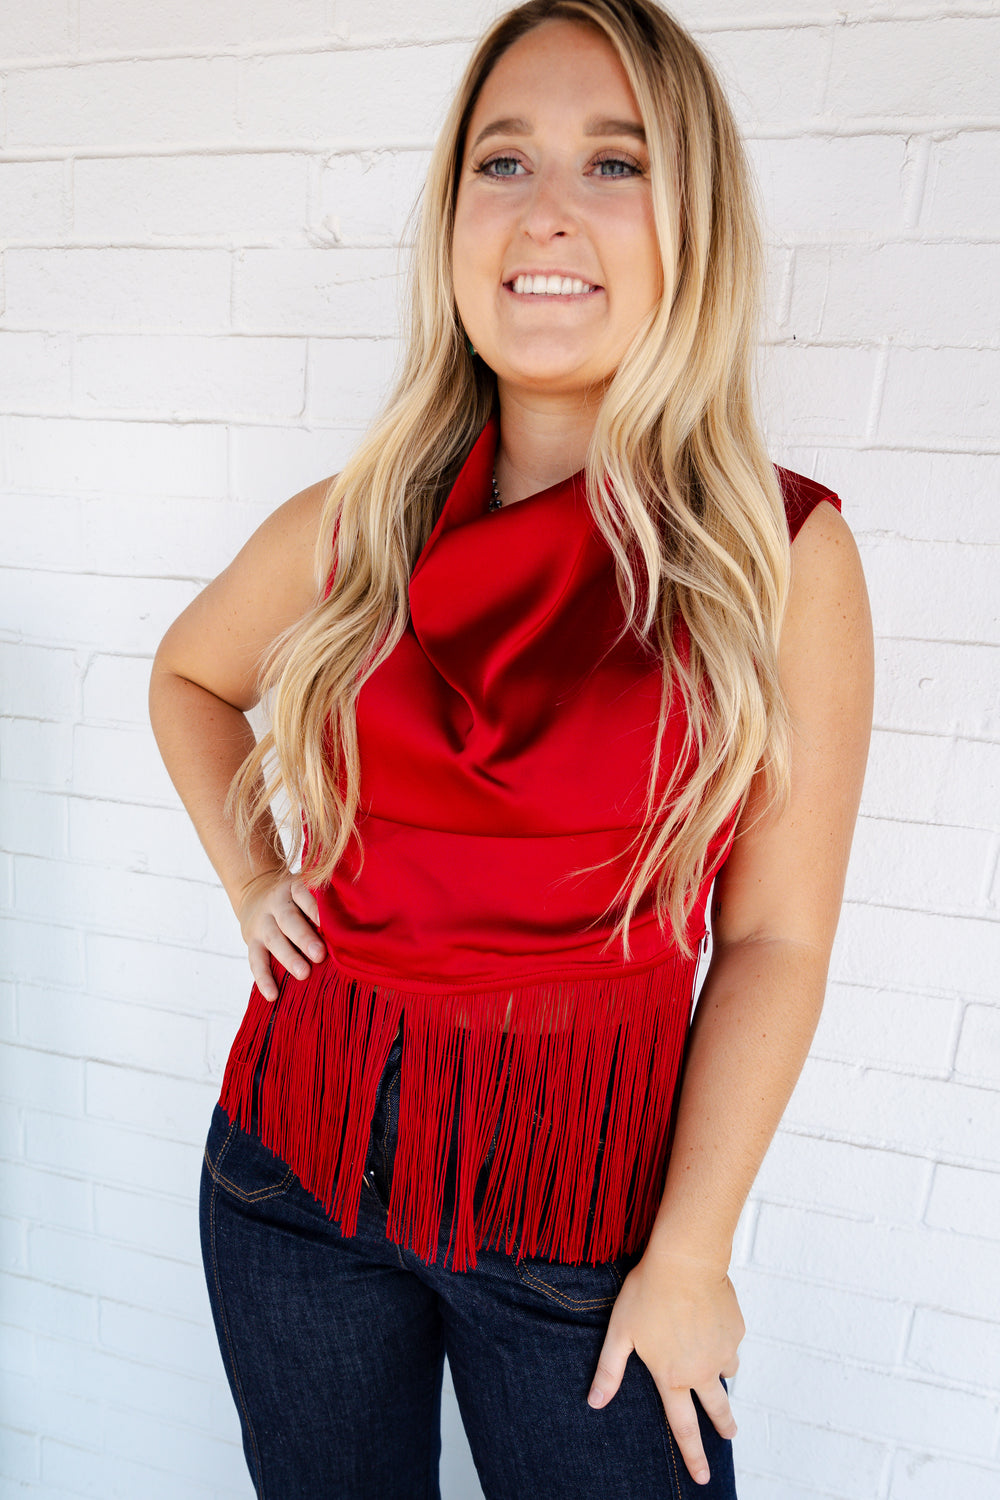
[(678, 481)]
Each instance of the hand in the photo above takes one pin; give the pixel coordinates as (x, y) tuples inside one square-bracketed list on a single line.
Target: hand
[(279, 916), (682, 1319)]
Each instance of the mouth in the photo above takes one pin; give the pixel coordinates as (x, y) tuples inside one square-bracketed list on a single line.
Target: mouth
[(552, 288)]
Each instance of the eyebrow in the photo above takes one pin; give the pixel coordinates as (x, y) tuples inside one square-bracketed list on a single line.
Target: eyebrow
[(514, 125)]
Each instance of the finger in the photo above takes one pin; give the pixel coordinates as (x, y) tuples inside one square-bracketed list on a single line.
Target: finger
[(683, 1420), (285, 952), (610, 1368), (294, 926), (305, 898), (717, 1408), (260, 968)]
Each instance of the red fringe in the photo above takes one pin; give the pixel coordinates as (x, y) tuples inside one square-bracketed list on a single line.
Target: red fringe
[(304, 1070)]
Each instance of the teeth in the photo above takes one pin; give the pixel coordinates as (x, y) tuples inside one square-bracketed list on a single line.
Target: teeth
[(550, 286)]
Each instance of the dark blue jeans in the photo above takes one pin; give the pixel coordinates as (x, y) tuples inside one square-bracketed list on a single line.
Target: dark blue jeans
[(334, 1349)]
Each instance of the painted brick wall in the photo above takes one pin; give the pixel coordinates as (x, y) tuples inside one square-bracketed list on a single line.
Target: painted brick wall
[(199, 212)]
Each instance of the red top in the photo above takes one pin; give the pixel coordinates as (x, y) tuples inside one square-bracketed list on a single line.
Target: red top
[(505, 746)]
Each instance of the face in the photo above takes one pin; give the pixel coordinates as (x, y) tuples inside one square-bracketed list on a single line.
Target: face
[(555, 183)]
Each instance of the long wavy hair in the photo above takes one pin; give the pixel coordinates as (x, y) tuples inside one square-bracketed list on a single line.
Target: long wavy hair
[(678, 482)]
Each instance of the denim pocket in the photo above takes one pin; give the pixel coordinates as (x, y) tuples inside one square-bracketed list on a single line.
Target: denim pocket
[(242, 1165), (578, 1287)]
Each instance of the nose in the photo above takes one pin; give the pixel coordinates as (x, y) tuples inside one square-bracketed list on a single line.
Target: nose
[(550, 210)]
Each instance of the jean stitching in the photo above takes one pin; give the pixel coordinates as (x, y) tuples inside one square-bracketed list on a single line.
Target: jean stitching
[(259, 1194), (388, 1121), (557, 1296), (672, 1450), (237, 1382)]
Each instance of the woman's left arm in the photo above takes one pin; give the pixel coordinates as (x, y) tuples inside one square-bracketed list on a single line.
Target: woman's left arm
[(774, 916)]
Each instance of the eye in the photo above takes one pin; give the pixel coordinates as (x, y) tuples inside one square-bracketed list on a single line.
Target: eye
[(632, 168), (497, 161)]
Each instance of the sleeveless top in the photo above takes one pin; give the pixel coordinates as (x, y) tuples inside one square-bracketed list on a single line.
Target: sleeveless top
[(505, 747)]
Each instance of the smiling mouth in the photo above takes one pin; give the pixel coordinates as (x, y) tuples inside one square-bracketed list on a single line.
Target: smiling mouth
[(550, 286)]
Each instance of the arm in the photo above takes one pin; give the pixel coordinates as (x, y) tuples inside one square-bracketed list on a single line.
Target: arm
[(777, 900), (204, 679)]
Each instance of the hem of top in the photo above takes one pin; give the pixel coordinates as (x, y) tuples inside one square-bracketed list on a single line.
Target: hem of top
[(491, 984)]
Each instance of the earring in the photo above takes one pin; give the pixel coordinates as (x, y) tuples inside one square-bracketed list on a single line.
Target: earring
[(468, 345)]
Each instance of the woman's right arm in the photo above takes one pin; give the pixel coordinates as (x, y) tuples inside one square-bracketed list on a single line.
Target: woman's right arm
[(204, 680)]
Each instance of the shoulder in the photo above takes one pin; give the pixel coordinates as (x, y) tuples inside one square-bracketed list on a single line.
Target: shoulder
[(801, 497)]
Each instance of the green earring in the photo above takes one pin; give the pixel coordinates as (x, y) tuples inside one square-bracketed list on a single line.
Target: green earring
[(468, 345)]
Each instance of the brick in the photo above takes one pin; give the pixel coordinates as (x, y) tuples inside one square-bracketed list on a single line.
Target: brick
[(843, 1178), (45, 1197), (130, 613), (967, 1202), (921, 866), (349, 378), (366, 197), (158, 839), (938, 688), (816, 391), (35, 371), (119, 900), (922, 1116), (910, 1032), (41, 1079), (870, 292), (149, 1438), (37, 752), (754, 1486), (13, 1245), (941, 395), (938, 68), (343, 292), (231, 196), (102, 1477), (39, 682), (926, 1476), (221, 1031), (153, 1338), (978, 1054), (177, 1108), (120, 764), (148, 1221), (48, 528), (20, 1456), (64, 1021), (83, 1262), (28, 1405), (42, 1308), (180, 979), (954, 1348), (197, 377), (772, 75), (144, 458), (41, 31), (396, 19), (120, 26), (845, 1323), (788, 1450), (85, 106), (41, 952), (923, 1266), (959, 197), (272, 463), (35, 201), (115, 689), (946, 497), (396, 94), (134, 290), (825, 188), (107, 1152)]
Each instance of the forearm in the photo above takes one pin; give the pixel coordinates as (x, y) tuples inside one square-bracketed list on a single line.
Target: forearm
[(203, 741), (752, 1029)]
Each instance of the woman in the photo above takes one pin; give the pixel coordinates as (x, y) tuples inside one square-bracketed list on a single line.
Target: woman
[(544, 663)]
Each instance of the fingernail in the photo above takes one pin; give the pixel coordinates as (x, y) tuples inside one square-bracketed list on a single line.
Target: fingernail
[(596, 1397), (302, 972), (702, 1476), (316, 950)]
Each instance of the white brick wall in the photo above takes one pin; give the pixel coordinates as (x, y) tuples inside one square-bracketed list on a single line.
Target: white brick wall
[(199, 213)]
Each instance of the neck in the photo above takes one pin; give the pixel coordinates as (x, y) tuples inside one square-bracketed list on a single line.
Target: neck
[(540, 443)]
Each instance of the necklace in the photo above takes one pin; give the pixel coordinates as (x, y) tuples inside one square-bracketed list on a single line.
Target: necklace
[(495, 501)]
